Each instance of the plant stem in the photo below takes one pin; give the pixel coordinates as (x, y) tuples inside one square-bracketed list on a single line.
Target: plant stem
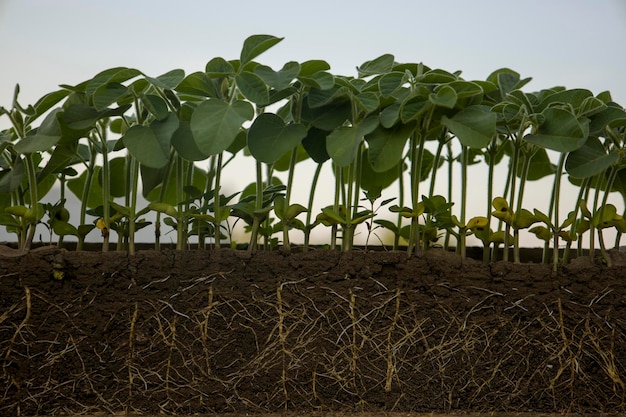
[(256, 220), (134, 175), (106, 186), (292, 166), (307, 233), (181, 226), (217, 207), (34, 200), (554, 208)]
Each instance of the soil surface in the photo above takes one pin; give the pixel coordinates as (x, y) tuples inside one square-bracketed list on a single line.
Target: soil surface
[(320, 331)]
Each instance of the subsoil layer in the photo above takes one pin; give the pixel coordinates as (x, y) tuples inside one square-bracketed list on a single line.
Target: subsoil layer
[(320, 331)]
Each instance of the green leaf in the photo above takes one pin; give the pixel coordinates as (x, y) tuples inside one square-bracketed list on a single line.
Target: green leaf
[(218, 67), (215, 124), (374, 182), (151, 145), (11, 179), (45, 103), (155, 105), (269, 137), (308, 68), (108, 94), (445, 96), (46, 136), (253, 87), (390, 83), (185, 145), (117, 177), (315, 145), (590, 159), (560, 131), (111, 75), (380, 65), (169, 80), (474, 126), (278, 80), (342, 144), (368, 101), (198, 84), (386, 146), (255, 45), (414, 108)]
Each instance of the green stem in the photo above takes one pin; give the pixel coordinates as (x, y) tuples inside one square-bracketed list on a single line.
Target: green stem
[(462, 233), (34, 200), (133, 205), (554, 208), (292, 166), (106, 190), (181, 226), (256, 222), (217, 208), (307, 232)]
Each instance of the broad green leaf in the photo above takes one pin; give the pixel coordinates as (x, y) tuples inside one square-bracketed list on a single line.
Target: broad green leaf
[(151, 145), (374, 181), (117, 177), (328, 117), (108, 94), (380, 65), (185, 145), (308, 68), (77, 185), (590, 159), (62, 156), (255, 45), (507, 80), (315, 145), (219, 67), (46, 136), (606, 117), (368, 101), (468, 93), (62, 228), (386, 146), (390, 115), (474, 126), (445, 96), (11, 179), (560, 131), (321, 80), (342, 144), (269, 137), (252, 87), (45, 103), (169, 80), (198, 84), (389, 83), (112, 75), (436, 76), (574, 97), (155, 105), (414, 108), (278, 80), (215, 124)]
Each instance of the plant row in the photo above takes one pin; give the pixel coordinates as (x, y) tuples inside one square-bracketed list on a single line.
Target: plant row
[(177, 132)]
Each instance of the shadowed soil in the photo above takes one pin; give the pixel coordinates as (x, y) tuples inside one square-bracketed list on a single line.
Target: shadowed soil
[(365, 331)]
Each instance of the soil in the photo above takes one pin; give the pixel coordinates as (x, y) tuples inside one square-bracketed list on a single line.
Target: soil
[(205, 331)]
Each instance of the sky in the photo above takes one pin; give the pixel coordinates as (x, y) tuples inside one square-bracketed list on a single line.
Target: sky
[(571, 43)]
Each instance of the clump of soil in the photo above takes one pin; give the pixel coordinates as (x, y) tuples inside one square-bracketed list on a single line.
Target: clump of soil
[(227, 331)]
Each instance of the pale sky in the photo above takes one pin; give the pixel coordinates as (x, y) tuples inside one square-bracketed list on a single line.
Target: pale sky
[(573, 43)]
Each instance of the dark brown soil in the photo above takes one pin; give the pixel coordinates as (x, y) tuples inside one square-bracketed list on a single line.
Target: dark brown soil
[(227, 331)]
